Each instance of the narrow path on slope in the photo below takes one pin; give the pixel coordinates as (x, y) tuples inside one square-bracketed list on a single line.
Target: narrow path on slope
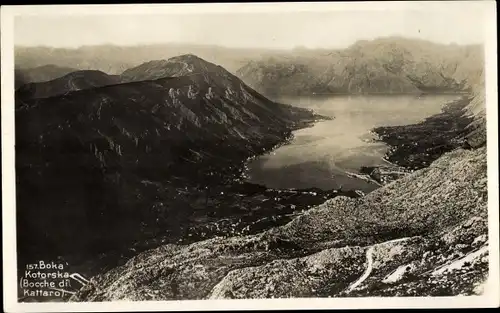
[(369, 266), (459, 263)]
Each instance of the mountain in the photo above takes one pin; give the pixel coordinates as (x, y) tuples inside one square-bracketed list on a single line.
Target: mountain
[(98, 166), (424, 234), (73, 81), (384, 65), (40, 73), (184, 65), (116, 59)]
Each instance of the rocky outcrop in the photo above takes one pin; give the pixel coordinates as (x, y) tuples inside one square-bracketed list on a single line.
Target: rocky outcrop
[(424, 234), (114, 59)]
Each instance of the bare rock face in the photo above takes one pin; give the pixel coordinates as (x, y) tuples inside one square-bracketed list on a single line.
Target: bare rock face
[(384, 65), (425, 233)]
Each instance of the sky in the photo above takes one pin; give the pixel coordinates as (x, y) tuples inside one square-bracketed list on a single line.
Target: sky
[(284, 29)]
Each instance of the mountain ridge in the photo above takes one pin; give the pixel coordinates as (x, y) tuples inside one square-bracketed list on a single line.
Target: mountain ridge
[(42, 73), (382, 65), (116, 59), (182, 132)]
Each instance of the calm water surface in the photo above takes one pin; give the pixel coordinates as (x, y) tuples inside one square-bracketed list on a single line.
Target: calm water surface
[(324, 155)]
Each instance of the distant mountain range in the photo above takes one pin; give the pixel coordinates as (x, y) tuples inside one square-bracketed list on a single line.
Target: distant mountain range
[(116, 59), (81, 155), (385, 65)]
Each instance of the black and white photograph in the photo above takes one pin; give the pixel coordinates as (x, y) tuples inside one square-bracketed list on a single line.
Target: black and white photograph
[(281, 154)]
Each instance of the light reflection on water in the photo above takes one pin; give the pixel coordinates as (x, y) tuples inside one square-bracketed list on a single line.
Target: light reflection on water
[(322, 156)]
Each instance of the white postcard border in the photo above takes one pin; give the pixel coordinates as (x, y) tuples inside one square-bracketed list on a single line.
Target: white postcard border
[(489, 299)]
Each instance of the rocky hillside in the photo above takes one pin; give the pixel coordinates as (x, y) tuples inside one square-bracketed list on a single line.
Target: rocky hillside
[(99, 166), (74, 81), (425, 234), (41, 73), (384, 65)]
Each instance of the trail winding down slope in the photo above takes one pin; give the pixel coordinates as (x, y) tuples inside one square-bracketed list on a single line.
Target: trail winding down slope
[(369, 265)]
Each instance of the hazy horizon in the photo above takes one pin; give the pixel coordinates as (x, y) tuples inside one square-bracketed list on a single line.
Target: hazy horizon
[(269, 30), (180, 43)]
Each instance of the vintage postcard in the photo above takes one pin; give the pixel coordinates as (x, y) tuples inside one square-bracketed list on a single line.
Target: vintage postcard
[(249, 156)]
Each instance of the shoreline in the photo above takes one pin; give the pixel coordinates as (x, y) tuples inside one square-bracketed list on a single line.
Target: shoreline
[(365, 94), (319, 118), (415, 146)]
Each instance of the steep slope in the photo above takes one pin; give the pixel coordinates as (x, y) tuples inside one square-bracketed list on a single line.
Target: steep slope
[(476, 110), (102, 166), (384, 65), (425, 234), (73, 81), (43, 73)]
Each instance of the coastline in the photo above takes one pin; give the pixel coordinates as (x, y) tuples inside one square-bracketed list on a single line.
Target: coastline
[(415, 146)]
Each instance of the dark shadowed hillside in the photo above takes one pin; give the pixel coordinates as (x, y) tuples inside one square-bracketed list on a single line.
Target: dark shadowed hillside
[(73, 81), (43, 73), (99, 166)]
